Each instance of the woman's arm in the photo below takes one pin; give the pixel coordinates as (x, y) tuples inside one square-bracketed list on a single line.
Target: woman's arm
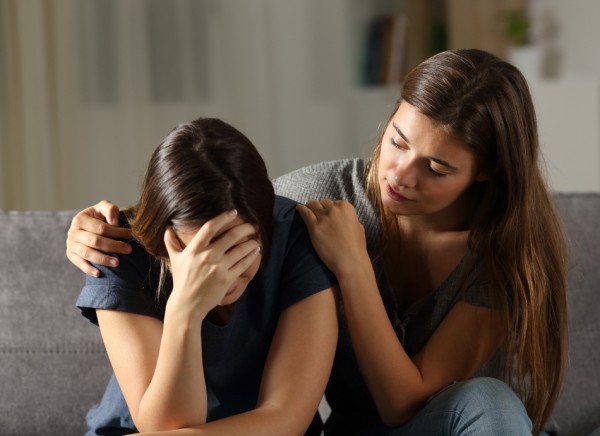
[(158, 367), (295, 375), (400, 386), (465, 339), (94, 232)]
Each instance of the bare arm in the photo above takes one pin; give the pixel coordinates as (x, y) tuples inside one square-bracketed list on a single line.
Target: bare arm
[(94, 232), (296, 372), (400, 385), (295, 375), (158, 395), (465, 339)]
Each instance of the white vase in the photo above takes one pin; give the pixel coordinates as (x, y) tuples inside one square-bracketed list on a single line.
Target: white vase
[(528, 59)]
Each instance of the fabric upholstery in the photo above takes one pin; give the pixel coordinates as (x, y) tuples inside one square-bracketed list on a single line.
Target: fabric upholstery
[(53, 367), (578, 409)]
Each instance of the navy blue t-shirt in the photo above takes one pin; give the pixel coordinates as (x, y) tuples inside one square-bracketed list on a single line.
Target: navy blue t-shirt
[(234, 354)]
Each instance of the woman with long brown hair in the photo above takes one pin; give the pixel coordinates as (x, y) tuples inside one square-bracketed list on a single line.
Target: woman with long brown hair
[(471, 252), (449, 256)]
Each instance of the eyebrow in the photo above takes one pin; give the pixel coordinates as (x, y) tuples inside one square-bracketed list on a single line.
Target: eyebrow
[(401, 133), (435, 159)]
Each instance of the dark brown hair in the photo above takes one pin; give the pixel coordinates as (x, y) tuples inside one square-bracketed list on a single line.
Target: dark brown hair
[(201, 169), (515, 230)]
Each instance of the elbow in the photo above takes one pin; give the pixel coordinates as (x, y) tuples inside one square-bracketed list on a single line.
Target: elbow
[(144, 424), (152, 422), (399, 414), (167, 425), (395, 420)]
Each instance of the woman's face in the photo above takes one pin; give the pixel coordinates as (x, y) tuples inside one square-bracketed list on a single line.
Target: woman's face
[(423, 170), (240, 284)]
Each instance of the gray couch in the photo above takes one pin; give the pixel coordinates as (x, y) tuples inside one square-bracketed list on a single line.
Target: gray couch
[(53, 364)]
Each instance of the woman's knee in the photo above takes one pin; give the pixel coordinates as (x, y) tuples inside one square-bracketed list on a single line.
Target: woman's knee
[(481, 406), (490, 393), (486, 404)]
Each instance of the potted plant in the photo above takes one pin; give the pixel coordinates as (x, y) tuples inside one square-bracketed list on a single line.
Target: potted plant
[(517, 26), (522, 52)]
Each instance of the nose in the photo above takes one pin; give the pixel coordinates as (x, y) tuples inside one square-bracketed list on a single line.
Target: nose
[(405, 173)]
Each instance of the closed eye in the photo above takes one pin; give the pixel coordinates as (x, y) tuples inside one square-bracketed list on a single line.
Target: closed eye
[(441, 167), (398, 144), (436, 173)]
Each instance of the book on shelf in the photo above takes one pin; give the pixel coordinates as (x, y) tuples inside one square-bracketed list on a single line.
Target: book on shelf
[(385, 50)]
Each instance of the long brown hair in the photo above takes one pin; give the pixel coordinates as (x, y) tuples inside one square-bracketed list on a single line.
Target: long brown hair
[(515, 231), (201, 169)]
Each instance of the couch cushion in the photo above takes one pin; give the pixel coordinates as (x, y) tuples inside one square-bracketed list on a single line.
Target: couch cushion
[(54, 367), (577, 412)]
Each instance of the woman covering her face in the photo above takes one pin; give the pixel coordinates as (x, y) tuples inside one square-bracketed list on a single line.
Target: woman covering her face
[(222, 319)]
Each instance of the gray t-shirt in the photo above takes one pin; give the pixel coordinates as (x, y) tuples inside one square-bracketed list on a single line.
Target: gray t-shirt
[(347, 394)]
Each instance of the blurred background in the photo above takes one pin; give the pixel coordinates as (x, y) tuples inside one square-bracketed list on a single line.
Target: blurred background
[(88, 88)]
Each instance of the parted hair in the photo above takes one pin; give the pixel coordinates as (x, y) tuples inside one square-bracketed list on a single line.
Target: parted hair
[(200, 170), (515, 232)]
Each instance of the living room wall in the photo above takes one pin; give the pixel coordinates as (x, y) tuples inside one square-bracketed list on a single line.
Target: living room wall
[(89, 87)]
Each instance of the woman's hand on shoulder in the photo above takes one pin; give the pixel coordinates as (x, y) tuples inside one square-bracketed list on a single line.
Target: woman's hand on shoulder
[(95, 231), (336, 233)]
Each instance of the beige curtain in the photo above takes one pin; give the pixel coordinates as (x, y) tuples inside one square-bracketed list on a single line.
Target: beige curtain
[(28, 143), (89, 87)]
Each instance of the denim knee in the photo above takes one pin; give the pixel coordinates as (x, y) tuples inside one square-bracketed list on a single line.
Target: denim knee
[(484, 406), (480, 406)]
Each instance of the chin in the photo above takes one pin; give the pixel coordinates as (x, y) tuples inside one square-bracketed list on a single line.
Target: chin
[(394, 207), (233, 297)]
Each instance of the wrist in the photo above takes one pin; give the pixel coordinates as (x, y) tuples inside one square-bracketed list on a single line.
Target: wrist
[(184, 311), (353, 270)]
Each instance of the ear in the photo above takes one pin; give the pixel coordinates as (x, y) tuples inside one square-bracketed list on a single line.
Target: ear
[(172, 242)]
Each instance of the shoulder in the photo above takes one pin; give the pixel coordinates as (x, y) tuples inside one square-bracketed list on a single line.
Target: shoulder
[(287, 223), (129, 287), (292, 266), (470, 283), (343, 179), (135, 265), (284, 207), (332, 179)]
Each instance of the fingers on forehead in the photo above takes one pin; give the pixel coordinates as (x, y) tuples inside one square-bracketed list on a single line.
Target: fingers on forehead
[(232, 226), (239, 232)]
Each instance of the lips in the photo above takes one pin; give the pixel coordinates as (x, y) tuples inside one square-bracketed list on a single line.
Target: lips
[(395, 195)]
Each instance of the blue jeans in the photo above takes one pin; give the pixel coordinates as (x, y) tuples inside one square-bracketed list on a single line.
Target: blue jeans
[(480, 406)]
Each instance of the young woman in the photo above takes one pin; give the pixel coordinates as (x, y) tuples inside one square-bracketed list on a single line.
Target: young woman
[(449, 256), (222, 320)]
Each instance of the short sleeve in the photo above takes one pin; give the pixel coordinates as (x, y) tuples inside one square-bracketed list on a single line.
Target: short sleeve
[(478, 296), (130, 287), (477, 291)]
